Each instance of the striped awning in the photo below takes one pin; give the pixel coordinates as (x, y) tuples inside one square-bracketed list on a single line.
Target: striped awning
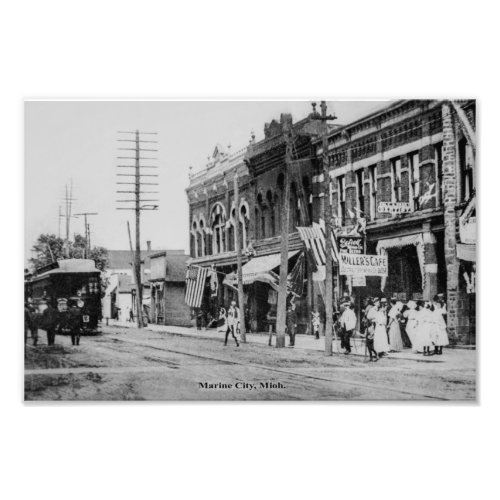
[(259, 269)]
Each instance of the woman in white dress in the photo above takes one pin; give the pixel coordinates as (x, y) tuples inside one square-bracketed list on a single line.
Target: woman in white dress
[(395, 339), (425, 328), (377, 315), (440, 334), (411, 315)]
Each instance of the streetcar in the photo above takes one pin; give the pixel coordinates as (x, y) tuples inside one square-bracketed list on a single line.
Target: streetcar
[(76, 280)]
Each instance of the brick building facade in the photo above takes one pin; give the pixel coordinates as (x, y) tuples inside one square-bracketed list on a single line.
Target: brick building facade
[(415, 152)]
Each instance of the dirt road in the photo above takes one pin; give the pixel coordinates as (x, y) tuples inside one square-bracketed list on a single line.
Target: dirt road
[(128, 364)]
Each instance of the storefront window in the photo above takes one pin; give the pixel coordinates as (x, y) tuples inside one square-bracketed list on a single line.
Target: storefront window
[(438, 157), (341, 195), (360, 191), (396, 179), (373, 192), (414, 166), (466, 170)]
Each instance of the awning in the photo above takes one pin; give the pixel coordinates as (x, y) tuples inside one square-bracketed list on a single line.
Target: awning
[(404, 241), (259, 269), (466, 252)]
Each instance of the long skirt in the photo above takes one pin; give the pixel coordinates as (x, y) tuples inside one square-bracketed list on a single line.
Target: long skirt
[(380, 342), (395, 339), (411, 330), (424, 336), (441, 335)]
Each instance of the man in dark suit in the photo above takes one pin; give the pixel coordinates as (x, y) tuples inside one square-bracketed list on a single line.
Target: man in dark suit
[(291, 323), (49, 321), (74, 323)]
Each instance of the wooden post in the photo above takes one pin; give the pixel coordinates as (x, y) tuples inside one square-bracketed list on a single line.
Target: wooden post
[(239, 259), (138, 232), (327, 215), (285, 217)]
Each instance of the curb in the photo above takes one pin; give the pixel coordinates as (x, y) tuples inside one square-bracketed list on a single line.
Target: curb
[(200, 336)]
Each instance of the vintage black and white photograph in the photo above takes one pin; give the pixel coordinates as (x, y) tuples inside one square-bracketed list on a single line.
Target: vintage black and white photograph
[(224, 250)]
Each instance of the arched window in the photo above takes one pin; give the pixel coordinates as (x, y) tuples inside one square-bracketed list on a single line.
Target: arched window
[(277, 213), (306, 184), (294, 208), (231, 243), (218, 220), (194, 233), (201, 250), (271, 223), (256, 223), (244, 224)]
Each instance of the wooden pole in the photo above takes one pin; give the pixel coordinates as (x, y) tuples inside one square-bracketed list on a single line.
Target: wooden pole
[(285, 217), (138, 232), (327, 215), (239, 260)]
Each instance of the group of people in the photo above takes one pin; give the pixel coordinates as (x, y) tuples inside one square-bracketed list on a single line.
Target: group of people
[(384, 322), (66, 318)]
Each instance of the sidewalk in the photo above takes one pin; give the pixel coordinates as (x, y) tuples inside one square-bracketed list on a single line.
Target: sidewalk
[(306, 342)]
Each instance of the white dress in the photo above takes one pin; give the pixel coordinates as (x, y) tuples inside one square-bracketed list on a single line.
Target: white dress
[(424, 333), (440, 333), (380, 342), (411, 325), (395, 339)]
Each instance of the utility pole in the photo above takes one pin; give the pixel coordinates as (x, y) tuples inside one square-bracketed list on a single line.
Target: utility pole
[(327, 215), (239, 259), (138, 202), (59, 222), (87, 231), (285, 217), (68, 200)]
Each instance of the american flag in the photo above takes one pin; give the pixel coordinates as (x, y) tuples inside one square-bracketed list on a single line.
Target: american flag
[(295, 282), (195, 285), (314, 240)]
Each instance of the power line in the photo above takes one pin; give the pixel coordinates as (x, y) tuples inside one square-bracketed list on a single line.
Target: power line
[(87, 231), (138, 201)]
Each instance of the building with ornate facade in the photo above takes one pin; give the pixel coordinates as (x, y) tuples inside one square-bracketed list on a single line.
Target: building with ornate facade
[(407, 171)]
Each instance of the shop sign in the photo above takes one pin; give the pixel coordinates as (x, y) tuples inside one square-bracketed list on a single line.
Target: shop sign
[(350, 244), (359, 280), (363, 265), (394, 207)]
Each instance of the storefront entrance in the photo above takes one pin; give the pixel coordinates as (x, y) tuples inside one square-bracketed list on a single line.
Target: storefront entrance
[(404, 281)]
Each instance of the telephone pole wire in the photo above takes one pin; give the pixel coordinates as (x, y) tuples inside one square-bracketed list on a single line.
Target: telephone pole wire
[(87, 231), (138, 202)]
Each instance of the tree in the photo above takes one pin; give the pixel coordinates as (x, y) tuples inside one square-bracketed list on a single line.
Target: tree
[(49, 248), (100, 256)]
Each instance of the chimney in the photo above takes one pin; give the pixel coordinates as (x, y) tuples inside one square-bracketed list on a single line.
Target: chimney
[(148, 243)]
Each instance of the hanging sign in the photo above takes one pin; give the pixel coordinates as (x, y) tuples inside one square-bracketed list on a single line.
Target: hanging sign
[(350, 244), (366, 265), (394, 207), (359, 280)]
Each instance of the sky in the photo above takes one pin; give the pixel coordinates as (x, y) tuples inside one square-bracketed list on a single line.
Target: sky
[(77, 141)]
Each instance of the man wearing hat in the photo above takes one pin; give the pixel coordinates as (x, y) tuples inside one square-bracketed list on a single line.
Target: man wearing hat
[(347, 323), (291, 323), (74, 321), (49, 320)]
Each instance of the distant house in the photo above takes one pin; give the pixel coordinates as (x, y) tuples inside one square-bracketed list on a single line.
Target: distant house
[(167, 281), (119, 298)]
